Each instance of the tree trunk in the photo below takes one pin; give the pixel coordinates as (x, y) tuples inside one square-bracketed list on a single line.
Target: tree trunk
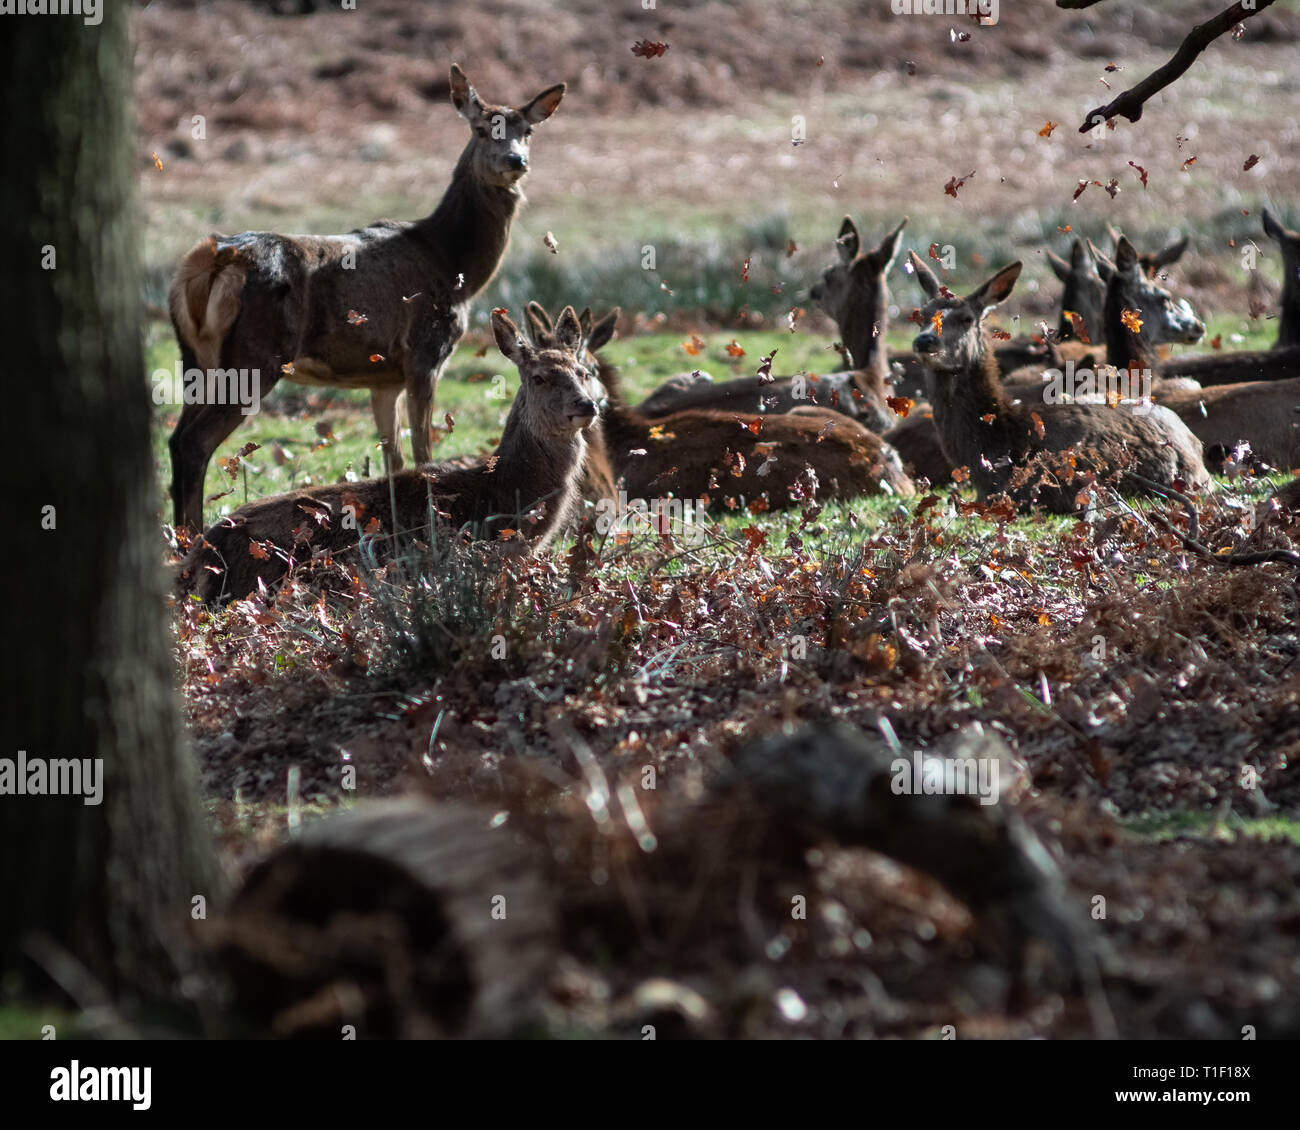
[(90, 671)]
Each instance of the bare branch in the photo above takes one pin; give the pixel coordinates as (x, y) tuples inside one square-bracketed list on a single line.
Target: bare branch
[(1129, 104)]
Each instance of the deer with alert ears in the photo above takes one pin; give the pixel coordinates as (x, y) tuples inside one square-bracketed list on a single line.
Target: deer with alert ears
[(529, 486), (381, 307), (1279, 364), (1225, 416), (597, 480), (980, 428), (854, 293)]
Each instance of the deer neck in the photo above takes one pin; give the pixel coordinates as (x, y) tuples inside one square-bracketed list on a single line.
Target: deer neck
[(1124, 348), (1288, 326), (530, 469), (861, 331), (971, 412), (470, 228), (1074, 300)]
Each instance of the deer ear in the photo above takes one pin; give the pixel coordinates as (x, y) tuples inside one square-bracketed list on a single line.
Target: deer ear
[(603, 330), (1170, 254), (1272, 228), (539, 324), (887, 252), (1105, 268), (1126, 256), (1060, 268), (924, 276), (568, 331), (509, 340), (997, 290), (463, 96), (544, 105), (848, 241)]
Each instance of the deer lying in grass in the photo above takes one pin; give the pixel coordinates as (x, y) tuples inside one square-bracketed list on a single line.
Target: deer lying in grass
[(1131, 290), (981, 429), (917, 441), (597, 481), (855, 294), (696, 453), (1085, 278), (529, 486), (1139, 315), (381, 307), (1282, 362)]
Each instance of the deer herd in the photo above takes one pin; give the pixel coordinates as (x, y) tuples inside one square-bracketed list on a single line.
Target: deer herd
[(384, 306)]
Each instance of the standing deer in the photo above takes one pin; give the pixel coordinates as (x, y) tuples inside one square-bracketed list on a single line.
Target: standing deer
[(996, 438), (381, 307), (530, 485)]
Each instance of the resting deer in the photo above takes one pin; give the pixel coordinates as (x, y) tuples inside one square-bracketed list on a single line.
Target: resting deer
[(1084, 279), (1222, 417), (381, 307), (529, 486), (697, 453), (981, 429), (1085, 294), (855, 294), (597, 480), (1282, 362)]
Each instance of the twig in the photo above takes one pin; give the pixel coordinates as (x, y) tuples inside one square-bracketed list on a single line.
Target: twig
[(1190, 542), (1193, 522), (1129, 104)]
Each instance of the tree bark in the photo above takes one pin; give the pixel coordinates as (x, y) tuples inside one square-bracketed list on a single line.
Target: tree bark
[(90, 672)]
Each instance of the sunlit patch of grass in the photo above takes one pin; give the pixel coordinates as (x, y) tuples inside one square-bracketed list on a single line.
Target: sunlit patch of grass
[(19, 1022), (476, 391), (1160, 826)]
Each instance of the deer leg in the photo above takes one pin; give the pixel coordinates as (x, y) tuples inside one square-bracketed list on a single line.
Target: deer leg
[(383, 404), (199, 432), (422, 375)]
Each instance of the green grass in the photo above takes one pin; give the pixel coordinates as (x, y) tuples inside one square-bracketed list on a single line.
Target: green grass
[(294, 455), (1161, 826), (26, 1023), (476, 392)]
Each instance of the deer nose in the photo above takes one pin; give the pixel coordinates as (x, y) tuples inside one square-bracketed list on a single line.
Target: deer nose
[(517, 161), (926, 343), (583, 409)]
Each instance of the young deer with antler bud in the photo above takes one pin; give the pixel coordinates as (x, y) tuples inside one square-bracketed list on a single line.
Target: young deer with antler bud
[(789, 457), (381, 307), (997, 439), (529, 486)]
